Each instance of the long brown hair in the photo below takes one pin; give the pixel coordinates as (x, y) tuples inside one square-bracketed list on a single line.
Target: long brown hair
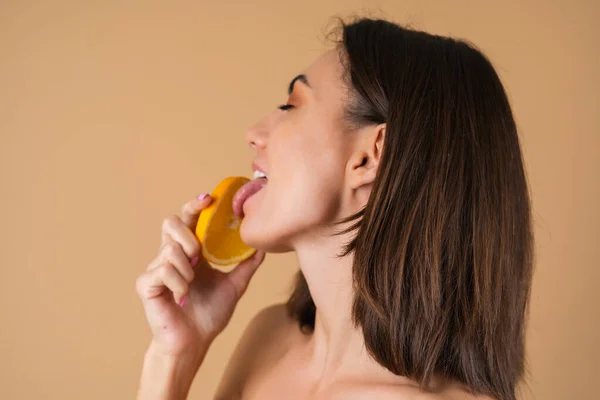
[(442, 256)]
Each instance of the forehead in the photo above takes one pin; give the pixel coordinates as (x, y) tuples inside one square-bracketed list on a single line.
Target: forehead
[(325, 76)]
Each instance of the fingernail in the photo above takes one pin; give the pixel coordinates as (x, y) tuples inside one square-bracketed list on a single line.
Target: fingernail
[(194, 261), (182, 302), (203, 196)]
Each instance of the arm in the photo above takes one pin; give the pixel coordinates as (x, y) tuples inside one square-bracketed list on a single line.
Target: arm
[(168, 377), (187, 304)]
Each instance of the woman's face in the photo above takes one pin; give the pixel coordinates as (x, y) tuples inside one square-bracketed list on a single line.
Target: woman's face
[(304, 153)]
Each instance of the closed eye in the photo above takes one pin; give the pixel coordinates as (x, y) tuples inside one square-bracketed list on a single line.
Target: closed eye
[(284, 107)]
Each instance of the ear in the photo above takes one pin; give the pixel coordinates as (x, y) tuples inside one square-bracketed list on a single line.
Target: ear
[(364, 161)]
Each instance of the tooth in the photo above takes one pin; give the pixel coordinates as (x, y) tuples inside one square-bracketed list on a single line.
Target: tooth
[(258, 174)]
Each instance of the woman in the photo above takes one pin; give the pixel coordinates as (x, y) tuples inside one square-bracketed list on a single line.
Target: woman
[(395, 174)]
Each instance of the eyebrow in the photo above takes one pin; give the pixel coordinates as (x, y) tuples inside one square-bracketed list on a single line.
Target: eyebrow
[(302, 78)]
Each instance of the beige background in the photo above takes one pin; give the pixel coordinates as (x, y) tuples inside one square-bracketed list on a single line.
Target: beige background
[(112, 115)]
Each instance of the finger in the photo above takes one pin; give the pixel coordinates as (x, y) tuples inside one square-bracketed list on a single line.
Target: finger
[(173, 253), (174, 229), (240, 276), (153, 283), (190, 211), (198, 263)]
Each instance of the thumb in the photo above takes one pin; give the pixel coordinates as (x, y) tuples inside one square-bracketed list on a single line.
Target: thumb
[(240, 276)]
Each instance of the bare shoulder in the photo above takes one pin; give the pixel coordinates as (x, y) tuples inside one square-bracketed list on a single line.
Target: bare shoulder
[(264, 340)]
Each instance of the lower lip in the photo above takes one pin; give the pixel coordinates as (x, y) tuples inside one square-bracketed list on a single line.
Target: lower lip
[(252, 198)]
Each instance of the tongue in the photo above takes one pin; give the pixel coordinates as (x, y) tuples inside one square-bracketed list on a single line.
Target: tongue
[(244, 194)]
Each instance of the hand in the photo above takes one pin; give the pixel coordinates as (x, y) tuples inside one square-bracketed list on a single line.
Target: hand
[(187, 302)]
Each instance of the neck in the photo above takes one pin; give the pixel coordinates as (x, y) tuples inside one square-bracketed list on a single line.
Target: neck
[(337, 345)]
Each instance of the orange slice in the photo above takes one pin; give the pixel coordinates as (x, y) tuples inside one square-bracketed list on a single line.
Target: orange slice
[(218, 229)]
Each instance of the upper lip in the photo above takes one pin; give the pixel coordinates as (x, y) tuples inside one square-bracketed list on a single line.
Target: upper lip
[(256, 167)]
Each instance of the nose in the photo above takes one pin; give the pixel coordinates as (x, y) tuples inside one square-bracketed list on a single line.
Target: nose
[(256, 136)]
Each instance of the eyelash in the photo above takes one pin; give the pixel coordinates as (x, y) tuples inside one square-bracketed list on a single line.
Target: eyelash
[(285, 107)]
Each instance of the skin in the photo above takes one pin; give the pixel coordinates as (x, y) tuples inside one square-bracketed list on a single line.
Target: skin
[(332, 171)]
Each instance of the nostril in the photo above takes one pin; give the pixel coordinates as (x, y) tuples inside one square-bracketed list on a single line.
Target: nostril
[(255, 137), (257, 144)]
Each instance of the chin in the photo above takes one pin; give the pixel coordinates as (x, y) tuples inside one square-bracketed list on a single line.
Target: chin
[(260, 237)]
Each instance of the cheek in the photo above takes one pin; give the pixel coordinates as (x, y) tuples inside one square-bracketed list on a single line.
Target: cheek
[(303, 193), (306, 188), (312, 193), (312, 173)]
